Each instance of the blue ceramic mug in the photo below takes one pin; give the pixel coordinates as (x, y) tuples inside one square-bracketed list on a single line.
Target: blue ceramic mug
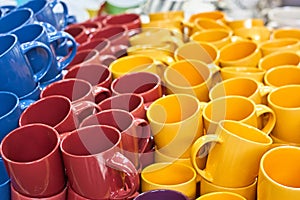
[(15, 19), (4, 182), (10, 111), (45, 11), (37, 32), (16, 74)]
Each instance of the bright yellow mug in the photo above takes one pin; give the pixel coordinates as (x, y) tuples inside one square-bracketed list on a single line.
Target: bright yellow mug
[(202, 51), (217, 37), (240, 53), (175, 121), (281, 44), (221, 195), (237, 108), (249, 191), (285, 102), (239, 71), (190, 76), (279, 176), (233, 159), (135, 63), (179, 177), (278, 59), (242, 86), (282, 75)]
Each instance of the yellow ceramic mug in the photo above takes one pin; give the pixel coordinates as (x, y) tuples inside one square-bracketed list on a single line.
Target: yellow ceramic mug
[(247, 72), (282, 75), (214, 15), (241, 86), (179, 177), (135, 63), (233, 160), (240, 109), (286, 33), (279, 176), (245, 23), (217, 37), (201, 24), (202, 51), (240, 53), (221, 195), (175, 121), (249, 191), (278, 59), (172, 14), (285, 102), (282, 44), (190, 77), (257, 34)]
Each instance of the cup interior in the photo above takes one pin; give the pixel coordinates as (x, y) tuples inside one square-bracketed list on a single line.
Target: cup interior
[(29, 143), (14, 19), (285, 97), (281, 164), (90, 140), (237, 51)]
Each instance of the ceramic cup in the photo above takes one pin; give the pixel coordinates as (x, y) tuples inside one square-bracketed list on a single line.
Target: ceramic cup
[(39, 145), (160, 194), (221, 195), (175, 121), (277, 177), (247, 72), (101, 170), (282, 75), (224, 167), (178, 177), (56, 111)]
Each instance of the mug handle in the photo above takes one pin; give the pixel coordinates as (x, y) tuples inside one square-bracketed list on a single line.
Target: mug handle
[(82, 109), (196, 147), (60, 35), (100, 93), (143, 133), (65, 12), (25, 103), (117, 162), (261, 110), (35, 44)]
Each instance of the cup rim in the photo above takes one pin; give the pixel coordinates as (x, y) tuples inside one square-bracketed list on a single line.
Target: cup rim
[(279, 89), (69, 134), (270, 151), (197, 110), (17, 102), (27, 126), (166, 164)]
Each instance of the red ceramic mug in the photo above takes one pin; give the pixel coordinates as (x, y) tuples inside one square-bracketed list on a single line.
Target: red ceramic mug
[(56, 111), (146, 84), (135, 132), (90, 56), (129, 102), (15, 195), (116, 34), (76, 90), (95, 74), (131, 20), (78, 32), (95, 166), (33, 160)]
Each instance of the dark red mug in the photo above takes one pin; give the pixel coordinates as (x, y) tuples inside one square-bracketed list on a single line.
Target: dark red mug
[(56, 111), (95, 74), (130, 102), (33, 160), (135, 132), (95, 166)]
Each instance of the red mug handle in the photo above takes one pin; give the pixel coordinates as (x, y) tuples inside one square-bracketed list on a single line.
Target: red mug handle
[(100, 93), (83, 109), (117, 162), (143, 132)]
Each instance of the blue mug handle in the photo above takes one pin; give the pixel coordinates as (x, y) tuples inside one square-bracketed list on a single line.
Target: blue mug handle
[(71, 45), (25, 103), (25, 47), (65, 12)]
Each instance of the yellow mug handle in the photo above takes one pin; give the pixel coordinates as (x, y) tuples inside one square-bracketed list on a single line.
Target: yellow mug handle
[(196, 147), (269, 125)]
